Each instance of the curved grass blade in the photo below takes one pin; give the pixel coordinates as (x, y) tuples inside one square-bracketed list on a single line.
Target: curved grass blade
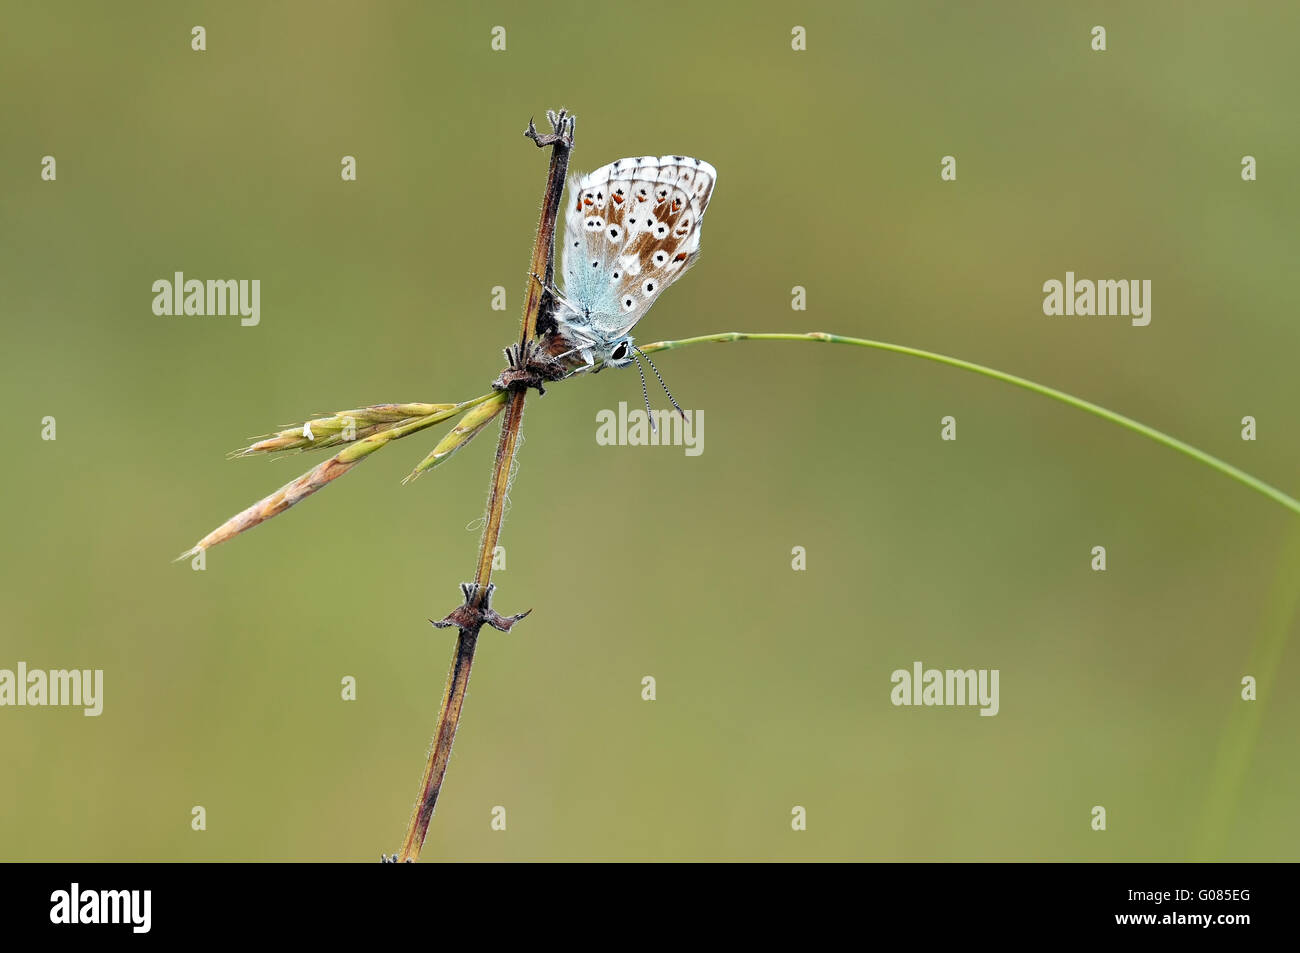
[(1128, 423)]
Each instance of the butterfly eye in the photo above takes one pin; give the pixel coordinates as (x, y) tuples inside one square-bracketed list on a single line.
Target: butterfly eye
[(620, 352)]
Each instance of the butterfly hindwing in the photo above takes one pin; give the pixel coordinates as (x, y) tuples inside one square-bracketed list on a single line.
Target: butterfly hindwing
[(633, 228)]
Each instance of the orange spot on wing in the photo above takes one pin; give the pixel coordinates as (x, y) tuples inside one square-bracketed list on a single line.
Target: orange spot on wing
[(618, 199), (588, 202), (680, 256)]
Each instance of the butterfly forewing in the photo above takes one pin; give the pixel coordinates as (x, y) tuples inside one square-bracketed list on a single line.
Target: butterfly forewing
[(632, 229)]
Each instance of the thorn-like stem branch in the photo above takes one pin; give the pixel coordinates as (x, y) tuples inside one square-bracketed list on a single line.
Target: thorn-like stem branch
[(476, 610)]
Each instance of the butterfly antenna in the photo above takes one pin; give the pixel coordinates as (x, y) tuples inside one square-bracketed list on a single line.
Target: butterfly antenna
[(644, 392), (661, 381)]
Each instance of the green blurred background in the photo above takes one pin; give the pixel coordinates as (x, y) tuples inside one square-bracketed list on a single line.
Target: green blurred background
[(1118, 689)]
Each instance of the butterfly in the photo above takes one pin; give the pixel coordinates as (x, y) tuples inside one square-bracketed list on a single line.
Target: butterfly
[(632, 229)]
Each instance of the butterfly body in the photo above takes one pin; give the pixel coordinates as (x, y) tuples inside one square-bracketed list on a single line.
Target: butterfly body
[(632, 229)]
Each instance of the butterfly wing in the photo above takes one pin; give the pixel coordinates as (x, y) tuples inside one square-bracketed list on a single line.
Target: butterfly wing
[(632, 229)]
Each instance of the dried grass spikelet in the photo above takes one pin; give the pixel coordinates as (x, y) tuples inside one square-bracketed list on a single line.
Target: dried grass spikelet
[(369, 428)]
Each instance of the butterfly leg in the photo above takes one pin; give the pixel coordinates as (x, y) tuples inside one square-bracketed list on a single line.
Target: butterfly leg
[(555, 293), (545, 287), (527, 366)]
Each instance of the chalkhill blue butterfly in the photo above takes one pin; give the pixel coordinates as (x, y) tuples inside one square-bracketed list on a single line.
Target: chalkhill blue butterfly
[(632, 229)]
